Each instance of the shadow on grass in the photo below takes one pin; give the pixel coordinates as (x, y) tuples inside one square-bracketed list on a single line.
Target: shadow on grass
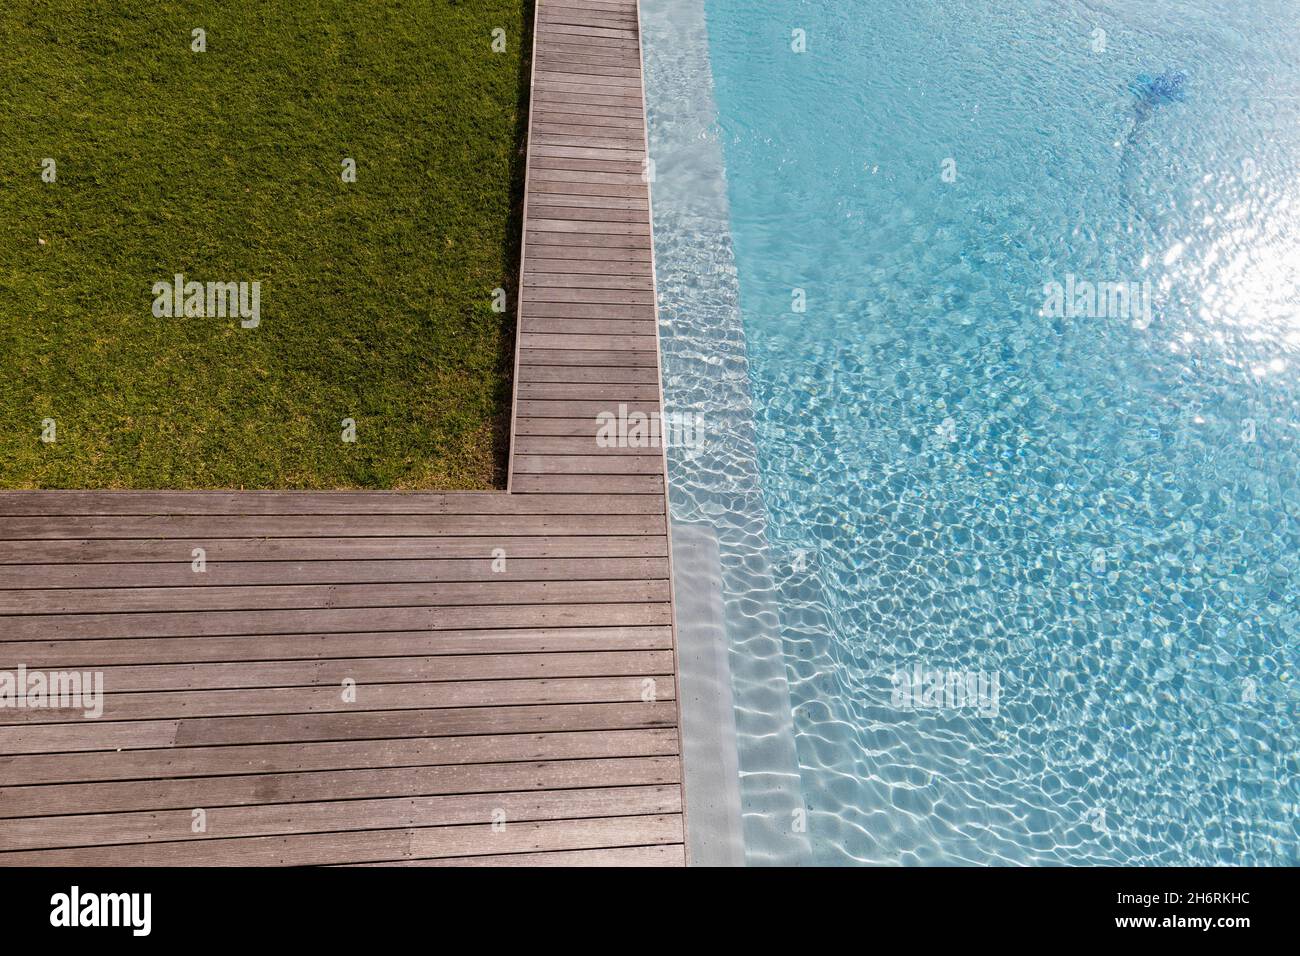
[(511, 261)]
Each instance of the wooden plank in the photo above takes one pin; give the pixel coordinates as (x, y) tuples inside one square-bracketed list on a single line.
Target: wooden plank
[(571, 177), (581, 375), (569, 340), (670, 854), (589, 189), (317, 849), (588, 409), (286, 647), (589, 464), (78, 551), (37, 627), (589, 227), (602, 259), (583, 112), (572, 240), (619, 18), (581, 213), (561, 96), (394, 571), (613, 41), (193, 527), (46, 504), (581, 484), (609, 68), (385, 670), (584, 428), (607, 19), (223, 823), (578, 357), (579, 445), (591, 310), (609, 93), (623, 161), (608, 204), (625, 35), (585, 326), (621, 154), (560, 383), (290, 596), (592, 120), (303, 728), (309, 700), (565, 280), (555, 73), (137, 765), (587, 16)]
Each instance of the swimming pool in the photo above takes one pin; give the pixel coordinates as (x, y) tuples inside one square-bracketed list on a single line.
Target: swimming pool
[(1028, 557)]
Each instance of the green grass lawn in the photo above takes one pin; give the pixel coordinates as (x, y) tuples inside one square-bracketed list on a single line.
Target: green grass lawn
[(226, 166)]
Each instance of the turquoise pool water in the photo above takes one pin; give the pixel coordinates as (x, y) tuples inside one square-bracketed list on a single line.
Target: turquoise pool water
[(1086, 519)]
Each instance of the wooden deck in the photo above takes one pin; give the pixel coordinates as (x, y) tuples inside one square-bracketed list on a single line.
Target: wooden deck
[(376, 677)]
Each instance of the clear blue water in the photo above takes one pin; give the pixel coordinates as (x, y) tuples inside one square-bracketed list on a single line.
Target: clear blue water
[(1102, 512)]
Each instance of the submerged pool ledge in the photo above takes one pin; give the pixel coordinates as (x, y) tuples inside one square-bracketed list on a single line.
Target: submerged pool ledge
[(732, 656)]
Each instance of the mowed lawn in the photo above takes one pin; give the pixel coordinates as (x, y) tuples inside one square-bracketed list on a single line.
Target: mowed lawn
[(376, 299)]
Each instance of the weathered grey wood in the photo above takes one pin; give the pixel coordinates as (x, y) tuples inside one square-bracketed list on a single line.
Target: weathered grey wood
[(666, 855), (608, 204), (624, 35), (584, 428), (561, 98), (619, 154), (137, 765), (571, 173), (572, 357), (280, 647), (590, 133), (385, 670), (630, 166), (569, 340), (566, 326), (307, 700), (588, 408), (603, 259), (283, 789), (589, 464), (37, 627), (375, 814), (316, 849), (571, 391), (229, 573), (572, 240), (193, 527), (326, 548), (581, 484), (540, 374), (582, 213), (568, 66), (554, 73), (589, 227), (590, 119), (577, 445), (267, 597), (50, 503), (572, 309), (562, 280), (589, 17), (317, 727)]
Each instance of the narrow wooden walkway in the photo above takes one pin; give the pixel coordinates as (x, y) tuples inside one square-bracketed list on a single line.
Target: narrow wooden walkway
[(376, 677), (588, 340)]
